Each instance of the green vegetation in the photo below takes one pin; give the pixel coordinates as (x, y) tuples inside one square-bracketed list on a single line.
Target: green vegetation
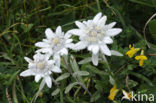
[(23, 23)]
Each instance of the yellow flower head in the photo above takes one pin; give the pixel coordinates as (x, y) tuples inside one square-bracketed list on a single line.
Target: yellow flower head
[(141, 58), (132, 51), (113, 93)]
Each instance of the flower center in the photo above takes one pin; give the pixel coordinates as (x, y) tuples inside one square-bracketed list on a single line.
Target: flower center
[(94, 34), (40, 65), (55, 41)]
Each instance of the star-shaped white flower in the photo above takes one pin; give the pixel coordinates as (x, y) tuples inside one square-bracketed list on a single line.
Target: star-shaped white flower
[(55, 44), (126, 95), (41, 67), (95, 35)]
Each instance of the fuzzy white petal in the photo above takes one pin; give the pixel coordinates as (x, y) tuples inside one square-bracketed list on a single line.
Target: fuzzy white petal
[(107, 40), (80, 45), (26, 73), (105, 50), (45, 50), (48, 81), (95, 59), (111, 25), (46, 40), (76, 32), (46, 56), (49, 33), (90, 47), (69, 41), (38, 56), (51, 62), (80, 25), (94, 48), (64, 51), (113, 32), (28, 59), (69, 45), (57, 60), (116, 53), (58, 30), (67, 35), (56, 69), (97, 17), (37, 78), (42, 44), (102, 21)]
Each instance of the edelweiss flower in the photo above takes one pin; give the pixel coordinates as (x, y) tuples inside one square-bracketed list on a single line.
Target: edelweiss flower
[(95, 35), (40, 67), (55, 43)]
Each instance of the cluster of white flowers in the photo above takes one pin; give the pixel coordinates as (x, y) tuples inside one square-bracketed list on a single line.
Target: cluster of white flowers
[(93, 34), (55, 45)]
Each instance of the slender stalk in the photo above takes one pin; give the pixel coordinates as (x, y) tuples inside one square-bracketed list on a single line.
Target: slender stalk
[(108, 67), (39, 91), (56, 83), (122, 67), (71, 73), (8, 96), (22, 90), (14, 93), (127, 80), (112, 81), (144, 29)]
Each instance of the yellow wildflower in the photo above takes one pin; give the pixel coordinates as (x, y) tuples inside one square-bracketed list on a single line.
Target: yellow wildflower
[(113, 93), (126, 95), (141, 58), (132, 51)]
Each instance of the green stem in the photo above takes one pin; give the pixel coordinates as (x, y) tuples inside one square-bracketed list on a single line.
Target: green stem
[(109, 70), (108, 67), (71, 73)]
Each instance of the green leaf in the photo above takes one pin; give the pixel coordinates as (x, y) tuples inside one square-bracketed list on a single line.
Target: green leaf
[(70, 86), (95, 70), (132, 83), (70, 99), (63, 76), (142, 78), (81, 73), (74, 64), (55, 92), (152, 29), (75, 67), (95, 97), (13, 77), (27, 27), (130, 67), (86, 60), (144, 2), (111, 80)]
